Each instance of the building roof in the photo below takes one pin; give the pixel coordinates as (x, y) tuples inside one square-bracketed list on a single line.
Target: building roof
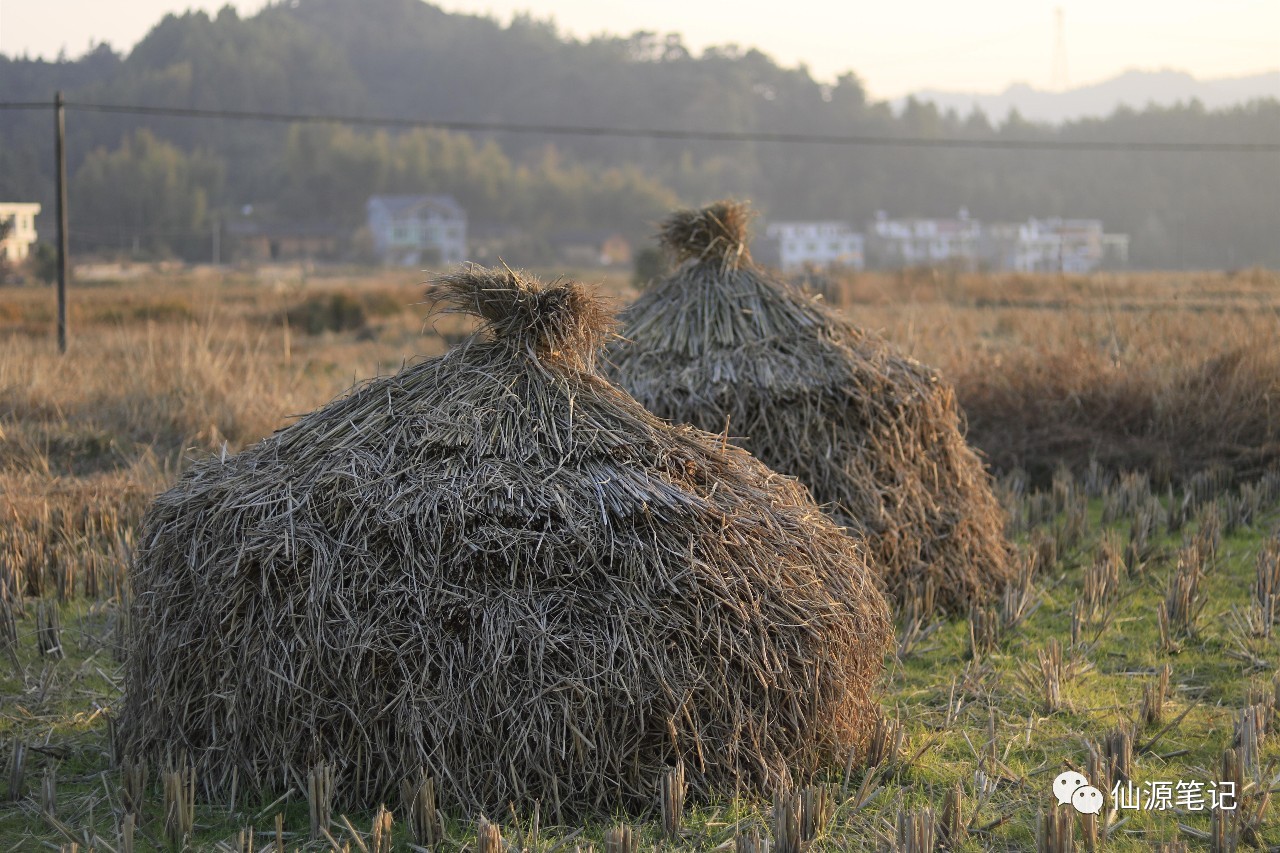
[(844, 223), (400, 206), (774, 228)]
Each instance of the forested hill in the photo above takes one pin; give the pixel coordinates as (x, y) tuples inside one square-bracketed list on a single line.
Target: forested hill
[(162, 178)]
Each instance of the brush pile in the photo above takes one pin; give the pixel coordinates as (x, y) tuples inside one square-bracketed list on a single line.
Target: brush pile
[(723, 345), (496, 565)]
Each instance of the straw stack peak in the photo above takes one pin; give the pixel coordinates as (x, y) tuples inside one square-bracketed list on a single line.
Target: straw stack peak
[(559, 321), (717, 233)]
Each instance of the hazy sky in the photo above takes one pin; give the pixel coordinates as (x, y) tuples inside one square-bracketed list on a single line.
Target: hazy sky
[(982, 45)]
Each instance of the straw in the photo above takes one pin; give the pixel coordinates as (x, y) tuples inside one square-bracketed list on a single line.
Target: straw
[(497, 566), (722, 344)]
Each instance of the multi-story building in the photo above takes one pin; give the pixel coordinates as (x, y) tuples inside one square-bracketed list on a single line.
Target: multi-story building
[(923, 242), (817, 244), (1036, 245), (17, 230), (1053, 245), (409, 230)]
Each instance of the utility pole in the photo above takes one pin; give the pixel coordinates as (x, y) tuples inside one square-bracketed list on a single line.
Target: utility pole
[(60, 151), (217, 240)]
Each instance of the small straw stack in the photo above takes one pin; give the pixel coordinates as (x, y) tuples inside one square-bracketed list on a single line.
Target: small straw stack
[(723, 345)]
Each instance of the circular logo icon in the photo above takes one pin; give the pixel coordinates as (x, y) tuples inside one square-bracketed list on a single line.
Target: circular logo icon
[(1087, 799), (1065, 785)]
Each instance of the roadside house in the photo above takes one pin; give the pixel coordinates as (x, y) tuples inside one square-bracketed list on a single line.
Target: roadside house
[(1053, 245), (823, 245), (417, 230), (914, 242), (17, 230)]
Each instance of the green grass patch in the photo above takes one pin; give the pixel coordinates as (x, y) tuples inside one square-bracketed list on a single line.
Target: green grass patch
[(981, 725)]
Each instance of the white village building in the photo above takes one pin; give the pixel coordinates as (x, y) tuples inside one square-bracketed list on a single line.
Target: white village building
[(17, 230), (821, 244), (922, 242), (414, 230), (1053, 245)]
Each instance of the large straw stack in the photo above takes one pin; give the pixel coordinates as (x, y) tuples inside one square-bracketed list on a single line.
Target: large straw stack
[(725, 346), (497, 565)]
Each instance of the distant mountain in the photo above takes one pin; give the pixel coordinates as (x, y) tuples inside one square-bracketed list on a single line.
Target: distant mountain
[(1136, 89)]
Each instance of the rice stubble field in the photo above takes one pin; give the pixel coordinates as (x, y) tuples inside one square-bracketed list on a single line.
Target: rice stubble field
[(1132, 418)]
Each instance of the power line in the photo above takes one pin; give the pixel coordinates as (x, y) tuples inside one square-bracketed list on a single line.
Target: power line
[(710, 135)]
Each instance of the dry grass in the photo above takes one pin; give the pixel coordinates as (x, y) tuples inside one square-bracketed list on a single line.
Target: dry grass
[(1041, 409), (1169, 373), (1110, 369)]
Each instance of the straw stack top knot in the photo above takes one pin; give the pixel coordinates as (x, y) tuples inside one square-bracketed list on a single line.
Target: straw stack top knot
[(559, 321), (716, 233)]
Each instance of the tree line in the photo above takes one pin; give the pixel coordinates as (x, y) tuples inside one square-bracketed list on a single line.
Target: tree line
[(156, 183)]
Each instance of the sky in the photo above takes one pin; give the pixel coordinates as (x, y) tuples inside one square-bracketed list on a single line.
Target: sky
[(895, 48)]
